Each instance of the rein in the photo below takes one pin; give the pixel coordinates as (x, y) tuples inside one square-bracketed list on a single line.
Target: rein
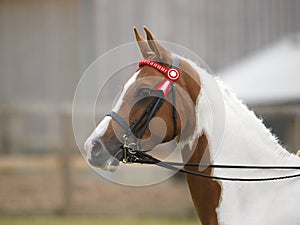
[(144, 158), (133, 153)]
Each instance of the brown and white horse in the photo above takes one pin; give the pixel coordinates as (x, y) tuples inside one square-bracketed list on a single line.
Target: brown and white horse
[(245, 141)]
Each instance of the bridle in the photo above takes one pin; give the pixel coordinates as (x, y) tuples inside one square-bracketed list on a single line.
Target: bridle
[(137, 130), (132, 151)]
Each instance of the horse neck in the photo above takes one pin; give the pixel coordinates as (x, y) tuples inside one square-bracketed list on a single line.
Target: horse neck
[(246, 141)]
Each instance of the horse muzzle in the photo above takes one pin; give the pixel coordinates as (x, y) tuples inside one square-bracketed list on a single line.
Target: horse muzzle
[(98, 156)]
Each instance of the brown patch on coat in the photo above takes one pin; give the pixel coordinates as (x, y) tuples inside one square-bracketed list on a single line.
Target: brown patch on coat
[(206, 193)]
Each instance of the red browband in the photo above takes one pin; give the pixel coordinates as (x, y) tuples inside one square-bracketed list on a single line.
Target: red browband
[(171, 74)]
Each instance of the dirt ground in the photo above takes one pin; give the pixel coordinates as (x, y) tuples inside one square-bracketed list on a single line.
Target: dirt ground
[(40, 184)]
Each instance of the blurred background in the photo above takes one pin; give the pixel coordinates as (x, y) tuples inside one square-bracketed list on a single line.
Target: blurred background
[(45, 47)]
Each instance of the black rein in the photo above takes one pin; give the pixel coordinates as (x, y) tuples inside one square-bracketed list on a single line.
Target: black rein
[(144, 158)]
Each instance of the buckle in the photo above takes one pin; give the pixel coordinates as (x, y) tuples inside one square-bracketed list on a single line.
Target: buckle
[(129, 151)]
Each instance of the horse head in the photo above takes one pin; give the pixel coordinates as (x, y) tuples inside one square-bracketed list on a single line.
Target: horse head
[(146, 113)]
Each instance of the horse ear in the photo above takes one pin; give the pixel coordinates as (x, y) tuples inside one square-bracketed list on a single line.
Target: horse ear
[(162, 54), (143, 45)]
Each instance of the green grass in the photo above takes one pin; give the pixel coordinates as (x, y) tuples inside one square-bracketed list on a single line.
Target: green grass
[(79, 220)]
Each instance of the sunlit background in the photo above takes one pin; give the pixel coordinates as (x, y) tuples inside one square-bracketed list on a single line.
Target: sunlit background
[(45, 47)]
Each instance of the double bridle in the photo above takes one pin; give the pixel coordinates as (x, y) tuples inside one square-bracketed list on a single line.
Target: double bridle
[(132, 151)]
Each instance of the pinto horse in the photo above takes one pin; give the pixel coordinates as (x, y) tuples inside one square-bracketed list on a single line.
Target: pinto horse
[(246, 141)]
